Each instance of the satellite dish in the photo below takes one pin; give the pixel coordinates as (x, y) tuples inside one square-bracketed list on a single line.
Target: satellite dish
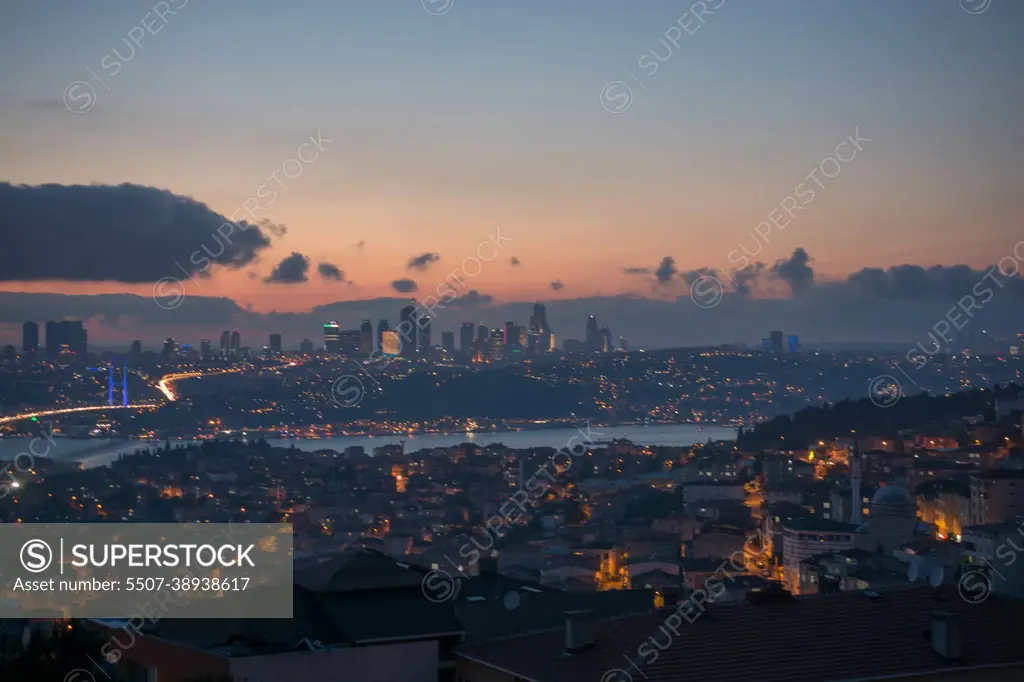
[(935, 579), (914, 572)]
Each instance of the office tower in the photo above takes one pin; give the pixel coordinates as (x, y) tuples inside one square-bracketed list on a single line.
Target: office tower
[(623, 343), (766, 345), (466, 338), (407, 330), (424, 322), (496, 346), (539, 319), (135, 353), (448, 341), (332, 337), (593, 341), (236, 342), (480, 346), (366, 338), (348, 341), (511, 334), (225, 342), (275, 343), (605, 340), (52, 339), (382, 327), (10, 353), (390, 342), (793, 344), (30, 338), (306, 347), (776, 342), (66, 336), (205, 352), (169, 347)]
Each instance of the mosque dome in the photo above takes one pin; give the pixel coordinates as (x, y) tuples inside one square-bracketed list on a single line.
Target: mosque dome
[(893, 500)]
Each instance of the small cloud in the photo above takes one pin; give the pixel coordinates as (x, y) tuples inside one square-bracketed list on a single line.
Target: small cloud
[(515, 262), (360, 244), (291, 270), (637, 271), (471, 299), (666, 270), (252, 275), (557, 285), (422, 261), (330, 272), (404, 286), (795, 271)]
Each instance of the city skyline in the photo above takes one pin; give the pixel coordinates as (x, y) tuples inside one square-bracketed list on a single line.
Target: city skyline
[(402, 191)]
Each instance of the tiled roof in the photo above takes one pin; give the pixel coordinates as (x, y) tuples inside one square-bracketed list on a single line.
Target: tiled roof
[(841, 636)]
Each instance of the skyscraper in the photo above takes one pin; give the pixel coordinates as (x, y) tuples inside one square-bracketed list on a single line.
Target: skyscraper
[(407, 330), (332, 337), (424, 322), (448, 341), (225, 342), (511, 334), (539, 319), (66, 336), (205, 352), (135, 353), (169, 348), (275, 343), (30, 338), (306, 347), (593, 340), (466, 338), (480, 346), (605, 340), (236, 342), (496, 346), (776, 342), (382, 327), (366, 337)]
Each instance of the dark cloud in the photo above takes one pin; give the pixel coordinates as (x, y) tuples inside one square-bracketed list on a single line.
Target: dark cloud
[(745, 279), (692, 276), (471, 299), (123, 233), (514, 260), (637, 271), (795, 271), (912, 282), (293, 269), (330, 272), (666, 270), (404, 286), (557, 285), (422, 261)]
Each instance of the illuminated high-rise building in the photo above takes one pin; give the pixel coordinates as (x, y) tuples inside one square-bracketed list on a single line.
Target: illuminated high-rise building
[(390, 342), (496, 346), (776, 342), (205, 351), (382, 327), (169, 348), (407, 330), (424, 322), (275, 343), (593, 339), (30, 338), (605, 340), (466, 338), (448, 341), (332, 337), (236, 342), (366, 338), (225, 342)]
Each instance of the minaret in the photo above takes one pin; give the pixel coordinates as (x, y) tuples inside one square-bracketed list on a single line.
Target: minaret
[(855, 497)]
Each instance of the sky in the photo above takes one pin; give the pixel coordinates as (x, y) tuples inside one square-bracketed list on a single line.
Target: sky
[(441, 121)]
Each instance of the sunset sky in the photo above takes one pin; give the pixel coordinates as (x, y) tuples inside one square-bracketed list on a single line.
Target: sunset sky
[(490, 114)]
